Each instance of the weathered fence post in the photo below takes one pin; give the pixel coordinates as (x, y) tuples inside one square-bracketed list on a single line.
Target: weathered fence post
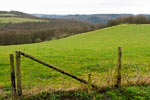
[(89, 83), (118, 84), (18, 73), (13, 83)]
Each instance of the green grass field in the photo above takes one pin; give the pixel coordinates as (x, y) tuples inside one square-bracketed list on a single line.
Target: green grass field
[(17, 20), (94, 52), (10, 15)]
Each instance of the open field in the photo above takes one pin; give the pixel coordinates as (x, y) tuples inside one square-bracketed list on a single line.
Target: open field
[(17, 20), (8, 15), (94, 52)]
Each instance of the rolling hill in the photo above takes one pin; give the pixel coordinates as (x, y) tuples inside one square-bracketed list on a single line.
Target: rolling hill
[(16, 17), (93, 18), (21, 28), (17, 20), (94, 52), (15, 13)]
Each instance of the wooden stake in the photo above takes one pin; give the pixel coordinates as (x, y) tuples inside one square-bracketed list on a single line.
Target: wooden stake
[(18, 73), (89, 83), (119, 67), (13, 83)]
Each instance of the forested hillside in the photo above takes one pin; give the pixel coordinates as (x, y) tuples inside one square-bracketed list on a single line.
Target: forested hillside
[(19, 28)]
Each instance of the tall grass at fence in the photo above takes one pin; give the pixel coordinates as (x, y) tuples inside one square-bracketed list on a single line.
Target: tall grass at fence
[(104, 72)]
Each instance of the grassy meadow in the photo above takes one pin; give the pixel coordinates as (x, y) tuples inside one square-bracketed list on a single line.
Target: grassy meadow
[(94, 52), (17, 20), (9, 15)]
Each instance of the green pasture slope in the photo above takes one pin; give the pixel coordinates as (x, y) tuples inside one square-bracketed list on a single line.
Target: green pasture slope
[(17, 20), (94, 52), (8, 15)]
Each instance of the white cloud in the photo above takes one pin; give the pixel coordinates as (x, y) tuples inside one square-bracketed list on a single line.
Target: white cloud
[(77, 6)]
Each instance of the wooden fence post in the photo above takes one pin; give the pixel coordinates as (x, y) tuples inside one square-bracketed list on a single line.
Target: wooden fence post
[(119, 67), (18, 73), (13, 83), (89, 83)]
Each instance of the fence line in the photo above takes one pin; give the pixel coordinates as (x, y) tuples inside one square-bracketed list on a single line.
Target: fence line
[(119, 76)]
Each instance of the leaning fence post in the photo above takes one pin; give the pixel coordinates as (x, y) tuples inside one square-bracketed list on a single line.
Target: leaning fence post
[(118, 84), (89, 83), (13, 83), (18, 73)]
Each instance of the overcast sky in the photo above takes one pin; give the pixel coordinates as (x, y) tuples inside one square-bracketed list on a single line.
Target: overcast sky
[(77, 6)]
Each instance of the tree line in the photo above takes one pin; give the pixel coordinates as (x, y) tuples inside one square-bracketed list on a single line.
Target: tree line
[(129, 20), (32, 32)]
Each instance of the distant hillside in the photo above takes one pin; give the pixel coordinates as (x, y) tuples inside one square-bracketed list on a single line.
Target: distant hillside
[(17, 17), (16, 14), (94, 18), (19, 28)]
